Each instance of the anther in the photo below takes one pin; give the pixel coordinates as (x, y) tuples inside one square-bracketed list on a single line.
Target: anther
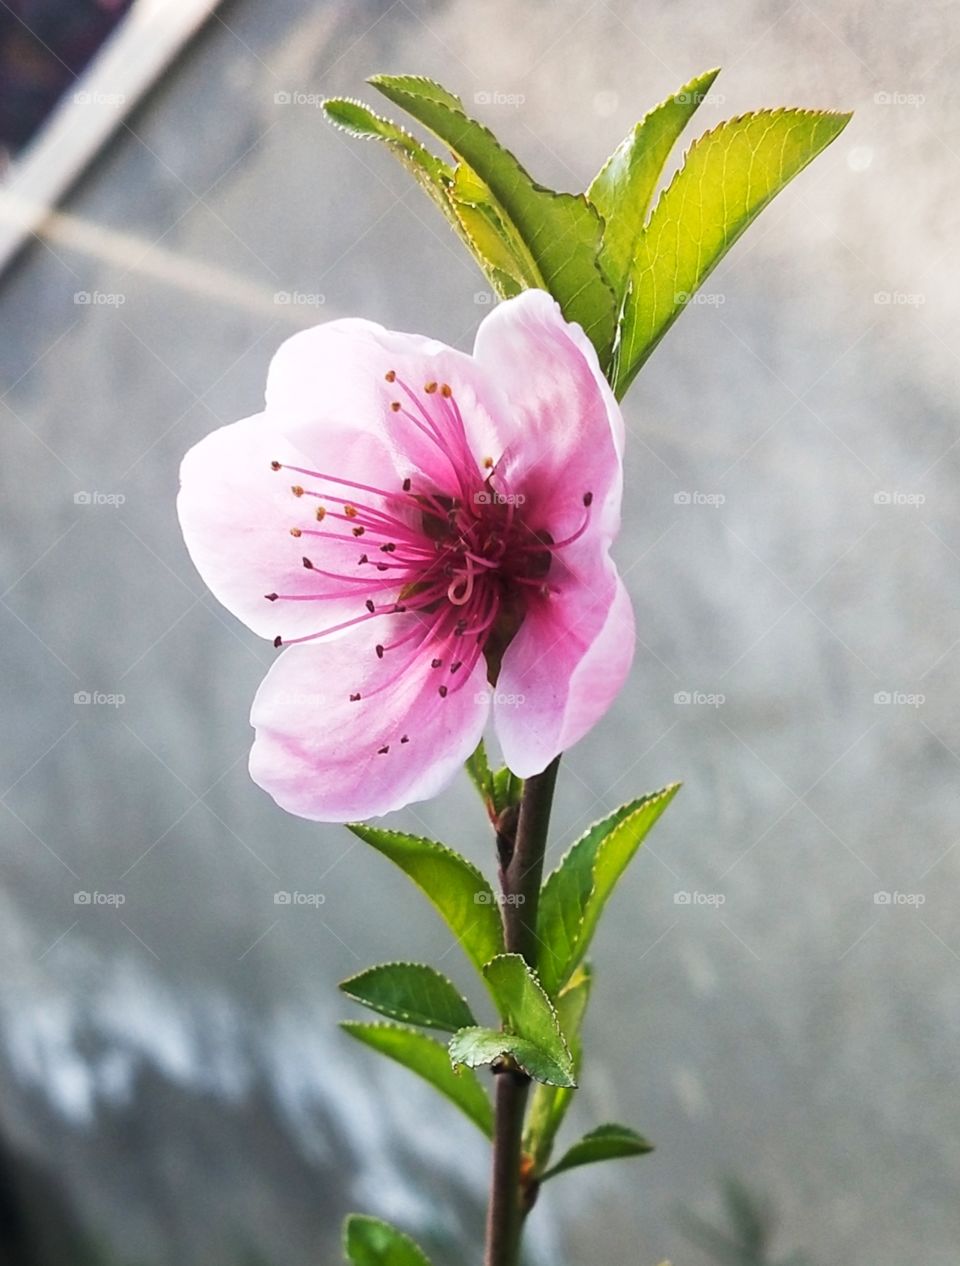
[(405, 738), (488, 463), (455, 666), (362, 559), (297, 490), (274, 465), (350, 511), (321, 513), (383, 566), (442, 692), (436, 663), (382, 751), (406, 485), (358, 531), (379, 649), (445, 391), (388, 548), (391, 375), (370, 605), (430, 388), (307, 563), (271, 597), (278, 640), (395, 406), (355, 698), (295, 532), (588, 498)]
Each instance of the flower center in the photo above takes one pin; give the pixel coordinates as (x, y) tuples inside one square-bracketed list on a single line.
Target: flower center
[(455, 567)]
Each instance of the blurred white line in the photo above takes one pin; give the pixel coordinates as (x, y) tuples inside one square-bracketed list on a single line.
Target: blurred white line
[(91, 110), (135, 254)]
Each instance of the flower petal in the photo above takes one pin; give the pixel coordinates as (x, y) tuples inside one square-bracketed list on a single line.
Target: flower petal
[(325, 757), (563, 669), (338, 370), (236, 514), (566, 430)]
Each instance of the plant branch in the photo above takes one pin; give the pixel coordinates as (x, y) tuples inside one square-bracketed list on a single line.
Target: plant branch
[(521, 846)]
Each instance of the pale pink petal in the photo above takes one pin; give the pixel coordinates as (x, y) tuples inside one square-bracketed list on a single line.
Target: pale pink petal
[(319, 754), (563, 669), (566, 429), (338, 371), (236, 514)]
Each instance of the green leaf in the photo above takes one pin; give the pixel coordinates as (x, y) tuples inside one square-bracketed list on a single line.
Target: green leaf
[(430, 172), (524, 1007), (370, 1242), (455, 887), (499, 789), (507, 788), (729, 176), (462, 197), (606, 1142), (623, 188), (429, 1060), (476, 1047), (549, 1104), (480, 773), (561, 231), (493, 238), (532, 1030), (574, 895), (411, 992)]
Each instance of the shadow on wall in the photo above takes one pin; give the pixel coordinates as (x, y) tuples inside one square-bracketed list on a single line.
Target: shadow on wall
[(746, 1235)]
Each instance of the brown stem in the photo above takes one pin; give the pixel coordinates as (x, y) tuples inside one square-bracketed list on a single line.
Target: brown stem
[(521, 857)]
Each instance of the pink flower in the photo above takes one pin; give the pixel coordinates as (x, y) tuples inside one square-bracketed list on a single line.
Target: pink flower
[(413, 524)]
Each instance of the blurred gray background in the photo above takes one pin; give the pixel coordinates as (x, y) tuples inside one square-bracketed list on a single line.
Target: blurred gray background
[(174, 1088)]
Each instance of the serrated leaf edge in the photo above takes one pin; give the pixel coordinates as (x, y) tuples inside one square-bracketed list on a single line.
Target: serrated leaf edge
[(643, 802), (534, 975), (483, 1028), (404, 1017)]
